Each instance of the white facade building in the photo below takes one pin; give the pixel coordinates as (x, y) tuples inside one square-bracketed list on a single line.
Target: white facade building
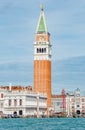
[(2, 92), (75, 104), (23, 103), (57, 103)]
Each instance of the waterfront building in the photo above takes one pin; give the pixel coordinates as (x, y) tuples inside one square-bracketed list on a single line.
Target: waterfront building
[(42, 59), (59, 104), (22, 101), (75, 104), (2, 93), (71, 104)]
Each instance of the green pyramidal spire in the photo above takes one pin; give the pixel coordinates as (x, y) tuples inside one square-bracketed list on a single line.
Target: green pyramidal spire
[(41, 27)]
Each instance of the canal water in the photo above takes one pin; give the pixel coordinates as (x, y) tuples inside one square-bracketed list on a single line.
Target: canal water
[(42, 124)]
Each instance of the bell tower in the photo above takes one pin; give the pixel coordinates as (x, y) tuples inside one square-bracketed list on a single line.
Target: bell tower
[(42, 59)]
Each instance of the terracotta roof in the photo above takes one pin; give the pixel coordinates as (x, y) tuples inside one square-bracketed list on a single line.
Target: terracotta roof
[(58, 96)]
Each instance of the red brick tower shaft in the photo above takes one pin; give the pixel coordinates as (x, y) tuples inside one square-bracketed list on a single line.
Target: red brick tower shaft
[(42, 59)]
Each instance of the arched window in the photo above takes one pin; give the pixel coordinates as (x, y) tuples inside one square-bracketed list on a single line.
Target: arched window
[(15, 102), (15, 113), (2, 95), (42, 50), (20, 102), (37, 50), (20, 112)]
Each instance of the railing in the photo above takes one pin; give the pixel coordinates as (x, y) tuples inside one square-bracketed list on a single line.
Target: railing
[(25, 92)]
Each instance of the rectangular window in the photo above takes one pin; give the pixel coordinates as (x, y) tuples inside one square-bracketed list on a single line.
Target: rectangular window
[(20, 102), (9, 102), (72, 106), (1, 105), (82, 99)]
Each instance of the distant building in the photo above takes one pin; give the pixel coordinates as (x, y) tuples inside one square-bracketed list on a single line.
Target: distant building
[(20, 101), (59, 104), (2, 93), (75, 104), (42, 59), (71, 104)]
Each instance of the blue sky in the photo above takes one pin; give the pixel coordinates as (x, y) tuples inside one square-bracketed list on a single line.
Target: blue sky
[(66, 24)]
